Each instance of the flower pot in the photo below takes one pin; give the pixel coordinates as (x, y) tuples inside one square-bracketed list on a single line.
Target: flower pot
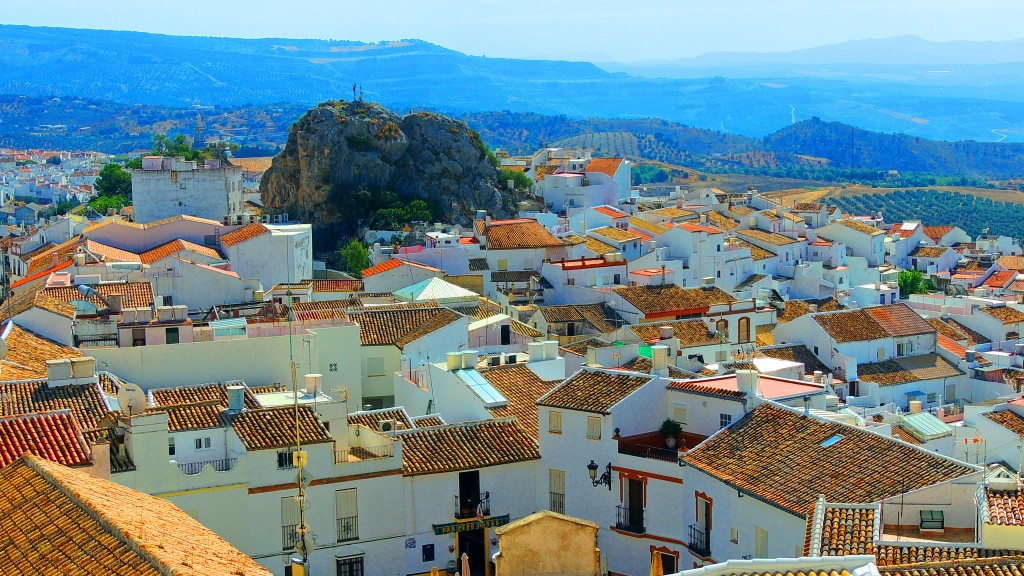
[(670, 442)]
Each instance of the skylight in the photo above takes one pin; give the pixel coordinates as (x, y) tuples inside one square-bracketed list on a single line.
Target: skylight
[(832, 440)]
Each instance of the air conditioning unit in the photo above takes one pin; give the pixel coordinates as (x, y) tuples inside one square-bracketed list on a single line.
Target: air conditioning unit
[(387, 425), (227, 220), (265, 219), (494, 361)]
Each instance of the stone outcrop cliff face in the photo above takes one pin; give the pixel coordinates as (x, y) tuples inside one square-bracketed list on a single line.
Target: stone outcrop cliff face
[(341, 146)]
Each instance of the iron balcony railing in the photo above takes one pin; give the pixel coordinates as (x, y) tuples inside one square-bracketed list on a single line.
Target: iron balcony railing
[(289, 536), (473, 506), (221, 465), (650, 452), (630, 519), (700, 541), (348, 529), (558, 502)]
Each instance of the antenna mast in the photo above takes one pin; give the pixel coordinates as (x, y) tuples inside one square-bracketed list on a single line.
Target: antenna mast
[(299, 458)]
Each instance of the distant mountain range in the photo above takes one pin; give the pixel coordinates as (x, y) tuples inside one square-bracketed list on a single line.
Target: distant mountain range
[(981, 102)]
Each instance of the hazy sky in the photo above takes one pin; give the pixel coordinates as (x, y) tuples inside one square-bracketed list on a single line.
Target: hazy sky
[(599, 30)]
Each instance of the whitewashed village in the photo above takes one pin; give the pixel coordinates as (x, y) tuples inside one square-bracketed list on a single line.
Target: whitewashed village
[(634, 380)]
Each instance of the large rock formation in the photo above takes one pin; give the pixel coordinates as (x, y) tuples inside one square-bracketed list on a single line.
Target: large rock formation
[(339, 147)]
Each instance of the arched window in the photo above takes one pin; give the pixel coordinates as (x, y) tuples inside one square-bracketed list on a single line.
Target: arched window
[(722, 326), (743, 326)]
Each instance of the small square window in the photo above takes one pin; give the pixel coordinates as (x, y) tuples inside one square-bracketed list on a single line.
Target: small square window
[(724, 420), (554, 422), (932, 520), (171, 449), (734, 535)]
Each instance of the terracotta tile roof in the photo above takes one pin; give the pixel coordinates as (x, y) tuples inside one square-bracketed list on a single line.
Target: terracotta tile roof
[(519, 276), (610, 211), (929, 251), (741, 210), (847, 531), (337, 286), (749, 282), (541, 171), (689, 332), (808, 207), (899, 320), (935, 233), (42, 249), (110, 253), (756, 252), (55, 436), (776, 455), (96, 527), (650, 227), (907, 369), (795, 353), (1000, 279), (174, 247), (911, 560), (973, 336), (615, 234), (945, 329), (1007, 419), (64, 252), (399, 326), (850, 326), (998, 566), (1012, 262), (118, 462), (904, 233), (27, 353), (579, 347), (428, 421), (1016, 286), (395, 263), (44, 302), (764, 334), (691, 227), (134, 294), (796, 308), (671, 212), (705, 389), (722, 221), (247, 232), (198, 416), (974, 265), (645, 365), (524, 329), (591, 390), (601, 318), (372, 418), (604, 165), (767, 237), (861, 227), (466, 446), (652, 300), (206, 393), (1005, 507), (521, 387), (478, 264), (271, 428), (520, 233), (1004, 314), (598, 247)]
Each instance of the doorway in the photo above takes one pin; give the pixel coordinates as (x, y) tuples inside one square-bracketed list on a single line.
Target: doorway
[(635, 501), (471, 542)]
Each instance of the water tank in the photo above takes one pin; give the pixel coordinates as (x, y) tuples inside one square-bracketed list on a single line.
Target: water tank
[(915, 406)]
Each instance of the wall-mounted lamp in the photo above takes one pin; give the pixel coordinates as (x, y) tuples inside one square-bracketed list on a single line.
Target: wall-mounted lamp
[(605, 478), (451, 549), (494, 541)]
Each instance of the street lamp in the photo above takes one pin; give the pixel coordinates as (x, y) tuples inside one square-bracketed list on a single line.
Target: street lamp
[(605, 478)]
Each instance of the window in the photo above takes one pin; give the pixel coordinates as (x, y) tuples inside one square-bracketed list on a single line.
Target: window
[(138, 336), (427, 550), (593, 427), (502, 264), (903, 348), (743, 326), (556, 482), (375, 366), (724, 420), (347, 513), (734, 536), (932, 520), (760, 542), (289, 522), (554, 422), (350, 566), (815, 350), (295, 299), (170, 446), (932, 397), (570, 282), (720, 356), (284, 459), (171, 335), (203, 443), (679, 414)]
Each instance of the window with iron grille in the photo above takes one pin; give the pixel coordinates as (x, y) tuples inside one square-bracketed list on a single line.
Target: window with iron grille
[(289, 523), (350, 566), (284, 459), (347, 513), (556, 481)]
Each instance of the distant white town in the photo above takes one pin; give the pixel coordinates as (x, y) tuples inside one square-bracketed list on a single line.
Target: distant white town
[(652, 379)]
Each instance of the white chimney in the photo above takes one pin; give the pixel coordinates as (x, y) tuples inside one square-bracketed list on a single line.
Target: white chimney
[(550, 349), (115, 303), (469, 358), (817, 376), (313, 384), (83, 367), (236, 398), (58, 371), (536, 351), (746, 381), (665, 332), (659, 360)]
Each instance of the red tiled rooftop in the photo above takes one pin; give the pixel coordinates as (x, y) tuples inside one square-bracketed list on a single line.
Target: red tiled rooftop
[(604, 165), (247, 232), (55, 436)]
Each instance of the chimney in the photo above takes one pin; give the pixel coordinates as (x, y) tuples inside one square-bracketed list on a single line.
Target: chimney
[(746, 381), (313, 384), (807, 405), (659, 360), (536, 351), (114, 303), (236, 398), (83, 367), (550, 349), (665, 332), (817, 376), (80, 259), (454, 361), (58, 372), (54, 259)]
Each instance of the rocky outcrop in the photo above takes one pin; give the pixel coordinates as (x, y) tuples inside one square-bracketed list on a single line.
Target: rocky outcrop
[(340, 147)]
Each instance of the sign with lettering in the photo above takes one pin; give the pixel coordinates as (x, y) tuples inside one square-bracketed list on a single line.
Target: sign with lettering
[(454, 527)]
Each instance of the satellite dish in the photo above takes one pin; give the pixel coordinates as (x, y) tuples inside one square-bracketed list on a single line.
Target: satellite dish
[(131, 399)]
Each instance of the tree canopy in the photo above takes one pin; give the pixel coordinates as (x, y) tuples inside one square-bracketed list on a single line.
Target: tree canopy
[(356, 257), (113, 181)]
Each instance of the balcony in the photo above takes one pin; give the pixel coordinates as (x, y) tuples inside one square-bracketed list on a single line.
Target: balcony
[(700, 541), (359, 454), (558, 502), (651, 445), (348, 529), (221, 465), (474, 506), (289, 536), (630, 519)]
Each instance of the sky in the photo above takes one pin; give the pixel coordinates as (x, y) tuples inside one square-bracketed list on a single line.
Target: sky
[(595, 30)]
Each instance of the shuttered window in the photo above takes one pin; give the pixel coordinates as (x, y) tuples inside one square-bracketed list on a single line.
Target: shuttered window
[(289, 522), (593, 427), (554, 422), (347, 513), (556, 481)]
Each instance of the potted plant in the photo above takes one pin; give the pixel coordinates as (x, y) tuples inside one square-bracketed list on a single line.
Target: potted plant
[(670, 429)]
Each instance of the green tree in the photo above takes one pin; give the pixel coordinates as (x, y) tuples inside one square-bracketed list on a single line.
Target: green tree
[(113, 181), (220, 150), (356, 257), (911, 282), (519, 179), (53, 160), (179, 146)]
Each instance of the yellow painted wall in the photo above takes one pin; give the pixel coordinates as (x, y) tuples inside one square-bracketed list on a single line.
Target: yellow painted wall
[(537, 547)]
